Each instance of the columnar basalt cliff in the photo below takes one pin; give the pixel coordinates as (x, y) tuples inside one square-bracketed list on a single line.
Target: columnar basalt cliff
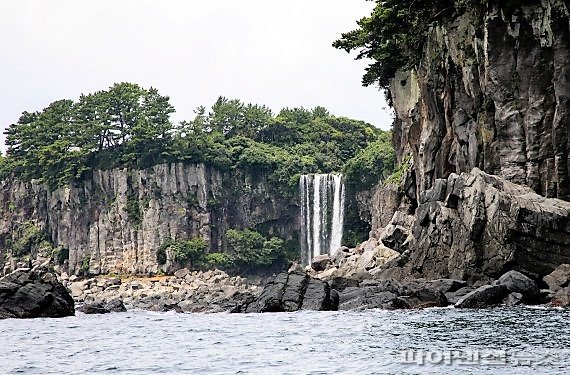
[(115, 221), (492, 91)]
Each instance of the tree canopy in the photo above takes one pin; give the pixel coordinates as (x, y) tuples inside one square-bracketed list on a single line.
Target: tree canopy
[(126, 124), (394, 34), (129, 126)]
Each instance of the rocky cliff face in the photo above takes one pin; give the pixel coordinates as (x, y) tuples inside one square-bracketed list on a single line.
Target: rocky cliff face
[(115, 220), (493, 92), (486, 119)]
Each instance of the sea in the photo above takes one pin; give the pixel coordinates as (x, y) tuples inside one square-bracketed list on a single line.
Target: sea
[(522, 340)]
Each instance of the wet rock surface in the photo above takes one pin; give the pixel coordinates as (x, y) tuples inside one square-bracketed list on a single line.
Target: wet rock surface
[(34, 293)]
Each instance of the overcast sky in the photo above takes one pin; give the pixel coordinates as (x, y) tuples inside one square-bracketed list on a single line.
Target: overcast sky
[(271, 52)]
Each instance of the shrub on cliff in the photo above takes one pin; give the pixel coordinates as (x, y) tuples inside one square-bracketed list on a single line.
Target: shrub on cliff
[(250, 249), (371, 165)]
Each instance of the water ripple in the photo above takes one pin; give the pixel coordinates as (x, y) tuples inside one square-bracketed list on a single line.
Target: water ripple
[(369, 342)]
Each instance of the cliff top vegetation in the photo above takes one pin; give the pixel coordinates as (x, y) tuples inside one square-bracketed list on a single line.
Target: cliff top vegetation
[(394, 34), (130, 126)]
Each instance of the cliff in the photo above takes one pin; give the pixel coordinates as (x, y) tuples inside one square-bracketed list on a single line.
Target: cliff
[(115, 220), (485, 117), (492, 91)]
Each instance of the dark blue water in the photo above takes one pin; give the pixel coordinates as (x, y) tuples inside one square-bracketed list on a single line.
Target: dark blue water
[(442, 341)]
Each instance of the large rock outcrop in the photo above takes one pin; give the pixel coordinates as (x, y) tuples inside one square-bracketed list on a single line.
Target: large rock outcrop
[(293, 291), (34, 293), (476, 226), (492, 91), (115, 220)]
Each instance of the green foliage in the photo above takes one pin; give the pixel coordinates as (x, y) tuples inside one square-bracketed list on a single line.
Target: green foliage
[(128, 126), (371, 165), (85, 264), (217, 260), (394, 35), (28, 239), (187, 251), (161, 256), (125, 125), (250, 249), (399, 174), (134, 209)]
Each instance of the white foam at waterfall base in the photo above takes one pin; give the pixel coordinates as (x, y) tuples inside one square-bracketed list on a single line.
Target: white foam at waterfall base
[(322, 228)]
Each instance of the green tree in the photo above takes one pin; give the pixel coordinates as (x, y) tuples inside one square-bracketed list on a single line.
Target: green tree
[(371, 165)]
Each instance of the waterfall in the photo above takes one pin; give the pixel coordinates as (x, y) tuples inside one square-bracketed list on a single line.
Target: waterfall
[(322, 214)]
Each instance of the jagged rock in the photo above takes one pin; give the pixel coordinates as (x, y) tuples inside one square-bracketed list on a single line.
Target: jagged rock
[(102, 307), (391, 294), (485, 296), (518, 283), (559, 278), (92, 308), (365, 298), (320, 262), (34, 294), (115, 305), (327, 274), (287, 292), (492, 226), (318, 297), (293, 292), (341, 283), (422, 298), (181, 273), (491, 91), (340, 255), (296, 267), (454, 297), (397, 234)]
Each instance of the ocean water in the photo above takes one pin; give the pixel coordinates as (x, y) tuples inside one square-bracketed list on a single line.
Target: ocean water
[(438, 341)]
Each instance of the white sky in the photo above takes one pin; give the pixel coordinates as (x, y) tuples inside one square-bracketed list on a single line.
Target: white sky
[(271, 52)]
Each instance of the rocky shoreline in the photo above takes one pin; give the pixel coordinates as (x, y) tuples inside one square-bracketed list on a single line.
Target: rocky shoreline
[(185, 291), (329, 284)]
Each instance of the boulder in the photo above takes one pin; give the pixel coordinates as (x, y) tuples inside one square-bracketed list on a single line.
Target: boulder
[(559, 278), (516, 282), (361, 298), (34, 294), (341, 254), (97, 307), (484, 296), (181, 273), (294, 291), (341, 283), (454, 297), (115, 305), (421, 298), (320, 262), (318, 297), (391, 294), (514, 299)]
